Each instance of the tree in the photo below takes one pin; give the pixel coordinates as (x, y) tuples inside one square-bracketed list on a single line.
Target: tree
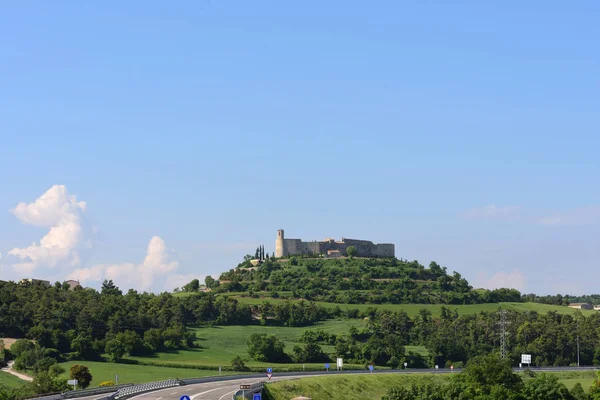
[(238, 364), (351, 251), (20, 346), (210, 282), (266, 348), (482, 373), (192, 286), (115, 349), (82, 374), (108, 287)]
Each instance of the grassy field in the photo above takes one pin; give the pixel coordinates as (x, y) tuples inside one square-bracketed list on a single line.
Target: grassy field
[(368, 387), (413, 309), (374, 386), (220, 344), (105, 371), (570, 379), (10, 381)]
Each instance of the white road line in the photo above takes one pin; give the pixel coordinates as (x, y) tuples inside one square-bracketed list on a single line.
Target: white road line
[(208, 391), (159, 398), (173, 393), (225, 395)]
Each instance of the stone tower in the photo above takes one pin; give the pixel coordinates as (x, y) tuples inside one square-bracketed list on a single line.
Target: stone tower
[(279, 249)]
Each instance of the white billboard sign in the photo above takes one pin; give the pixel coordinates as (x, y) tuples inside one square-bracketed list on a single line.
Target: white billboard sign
[(526, 359)]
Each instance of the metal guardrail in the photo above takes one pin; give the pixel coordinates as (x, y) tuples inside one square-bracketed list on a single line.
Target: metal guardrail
[(95, 390), (143, 388)]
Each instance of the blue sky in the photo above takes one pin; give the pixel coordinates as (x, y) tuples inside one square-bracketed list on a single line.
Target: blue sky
[(464, 133)]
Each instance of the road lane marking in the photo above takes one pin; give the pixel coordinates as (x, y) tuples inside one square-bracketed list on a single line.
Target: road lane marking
[(159, 398), (228, 394), (208, 391)]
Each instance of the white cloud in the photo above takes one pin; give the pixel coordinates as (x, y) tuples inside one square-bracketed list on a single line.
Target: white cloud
[(493, 211), (154, 273), (67, 243), (512, 280)]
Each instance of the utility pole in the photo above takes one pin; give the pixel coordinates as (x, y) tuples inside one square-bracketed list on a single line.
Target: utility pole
[(578, 342), (503, 333)]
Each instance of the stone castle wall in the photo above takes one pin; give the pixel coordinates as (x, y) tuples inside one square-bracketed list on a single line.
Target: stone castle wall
[(364, 248)]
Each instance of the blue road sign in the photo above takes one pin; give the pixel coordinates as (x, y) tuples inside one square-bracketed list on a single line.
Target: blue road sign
[(326, 366), (257, 396), (269, 370), (371, 367), (185, 397)]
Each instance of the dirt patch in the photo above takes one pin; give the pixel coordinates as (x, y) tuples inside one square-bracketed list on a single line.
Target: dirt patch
[(9, 341)]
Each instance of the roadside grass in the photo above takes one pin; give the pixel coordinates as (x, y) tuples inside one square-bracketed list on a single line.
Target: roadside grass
[(10, 381), (373, 387), (342, 387), (220, 344), (571, 378), (131, 373)]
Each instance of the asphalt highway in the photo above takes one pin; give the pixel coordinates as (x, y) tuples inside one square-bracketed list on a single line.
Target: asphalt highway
[(223, 390)]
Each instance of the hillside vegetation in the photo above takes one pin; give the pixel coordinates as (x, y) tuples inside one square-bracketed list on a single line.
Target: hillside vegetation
[(359, 281)]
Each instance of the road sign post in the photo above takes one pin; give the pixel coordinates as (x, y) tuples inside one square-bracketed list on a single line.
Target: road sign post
[(219, 371), (327, 367), (405, 365), (243, 388), (340, 364), (526, 359), (73, 382), (371, 368), (184, 397), (452, 368), (257, 396)]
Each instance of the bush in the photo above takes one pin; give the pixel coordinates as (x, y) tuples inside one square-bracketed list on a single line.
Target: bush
[(82, 374), (238, 364), (106, 383)]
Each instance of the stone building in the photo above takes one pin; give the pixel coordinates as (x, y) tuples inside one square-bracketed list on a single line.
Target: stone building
[(330, 247)]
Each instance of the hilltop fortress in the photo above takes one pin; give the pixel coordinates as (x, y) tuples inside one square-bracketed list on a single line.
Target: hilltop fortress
[(330, 248)]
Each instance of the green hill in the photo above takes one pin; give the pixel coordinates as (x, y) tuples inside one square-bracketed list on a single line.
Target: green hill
[(357, 281)]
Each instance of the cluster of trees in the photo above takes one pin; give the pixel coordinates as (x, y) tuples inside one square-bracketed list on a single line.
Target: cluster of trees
[(358, 281), (269, 348), (49, 376), (84, 321), (453, 339), (491, 378), (84, 324)]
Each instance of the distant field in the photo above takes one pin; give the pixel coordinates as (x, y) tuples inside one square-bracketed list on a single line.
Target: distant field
[(105, 371), (373, 387), (413, 309), (220, 344), (10, 381)]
